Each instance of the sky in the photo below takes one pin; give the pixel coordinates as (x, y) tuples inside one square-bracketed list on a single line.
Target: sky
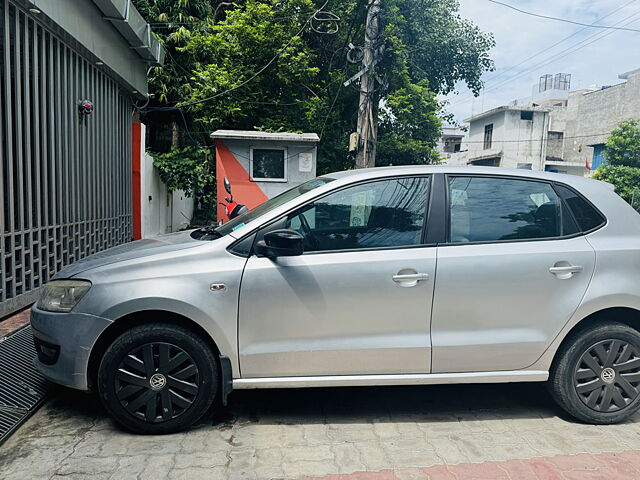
[(592, 56)]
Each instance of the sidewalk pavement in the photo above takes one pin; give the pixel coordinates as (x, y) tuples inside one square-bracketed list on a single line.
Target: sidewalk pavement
[(449, 432), (14, 322), (602, 466)]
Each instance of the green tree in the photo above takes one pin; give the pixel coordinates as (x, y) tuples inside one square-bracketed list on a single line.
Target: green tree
[(266, 65), (623, 146), (626, 181), (174, 22), (428, 49)]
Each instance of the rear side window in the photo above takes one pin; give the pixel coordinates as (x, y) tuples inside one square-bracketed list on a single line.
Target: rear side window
[(485, 209), (586, 215)]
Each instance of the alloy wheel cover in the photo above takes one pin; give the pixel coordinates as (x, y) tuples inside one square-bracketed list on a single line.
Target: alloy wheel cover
[(157, 382), (607, 377)]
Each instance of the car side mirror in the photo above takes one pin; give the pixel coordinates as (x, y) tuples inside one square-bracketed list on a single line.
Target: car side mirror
[(280, 243)]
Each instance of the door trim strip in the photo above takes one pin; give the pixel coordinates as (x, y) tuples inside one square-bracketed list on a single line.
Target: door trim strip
[(406, 379)]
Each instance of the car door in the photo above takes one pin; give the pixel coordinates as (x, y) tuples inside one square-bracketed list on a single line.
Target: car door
[(358, 300), (514, 270)]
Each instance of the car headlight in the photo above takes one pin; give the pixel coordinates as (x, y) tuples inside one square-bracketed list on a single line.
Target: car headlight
[(62, 295)]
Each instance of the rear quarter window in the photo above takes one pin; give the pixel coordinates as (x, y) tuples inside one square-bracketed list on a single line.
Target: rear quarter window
[(586, 215)]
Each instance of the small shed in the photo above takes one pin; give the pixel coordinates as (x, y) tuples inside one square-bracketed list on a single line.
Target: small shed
[(261, 165)]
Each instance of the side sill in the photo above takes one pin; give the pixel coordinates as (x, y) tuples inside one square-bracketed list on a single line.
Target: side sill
[(379, 380)]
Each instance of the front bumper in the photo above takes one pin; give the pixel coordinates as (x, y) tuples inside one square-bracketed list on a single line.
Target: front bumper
[(71, 336)]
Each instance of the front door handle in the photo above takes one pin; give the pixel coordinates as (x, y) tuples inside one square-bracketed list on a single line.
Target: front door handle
[(409, 279), (564, 270)]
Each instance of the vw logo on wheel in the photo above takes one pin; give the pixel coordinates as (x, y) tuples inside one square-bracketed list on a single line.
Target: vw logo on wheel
[(608, 375), (157, 381)]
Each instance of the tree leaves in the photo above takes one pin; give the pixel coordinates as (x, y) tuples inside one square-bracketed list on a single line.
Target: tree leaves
[(625, 179), (623, 145), (428, 50)]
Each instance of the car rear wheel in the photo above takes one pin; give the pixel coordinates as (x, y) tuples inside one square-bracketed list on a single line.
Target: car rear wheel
[(596, 376), (158, 378)]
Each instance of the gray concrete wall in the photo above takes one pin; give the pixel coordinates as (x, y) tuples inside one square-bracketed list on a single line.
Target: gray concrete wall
[(524, 140), (82, 21), (591, 116)]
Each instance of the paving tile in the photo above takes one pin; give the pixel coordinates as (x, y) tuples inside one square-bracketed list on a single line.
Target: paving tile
[(365, 434)]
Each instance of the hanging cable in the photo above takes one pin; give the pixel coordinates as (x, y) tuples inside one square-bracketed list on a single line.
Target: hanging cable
[(548, 17)]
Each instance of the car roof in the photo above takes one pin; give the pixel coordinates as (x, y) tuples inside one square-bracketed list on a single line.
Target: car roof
[(378, 172)]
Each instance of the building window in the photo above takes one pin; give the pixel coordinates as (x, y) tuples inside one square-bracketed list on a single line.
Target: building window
[(268, 164), (488, 136), (556, 136), (452, 144), (526, 115)]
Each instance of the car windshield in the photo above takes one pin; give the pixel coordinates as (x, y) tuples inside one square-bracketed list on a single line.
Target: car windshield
[(270, 204)]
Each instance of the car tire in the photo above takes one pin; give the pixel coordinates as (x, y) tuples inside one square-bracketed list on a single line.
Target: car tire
[(158, 378), (596, 374)]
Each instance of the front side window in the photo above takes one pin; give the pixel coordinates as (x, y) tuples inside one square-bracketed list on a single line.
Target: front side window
[(386, 213), (269, 164), (485, 209)]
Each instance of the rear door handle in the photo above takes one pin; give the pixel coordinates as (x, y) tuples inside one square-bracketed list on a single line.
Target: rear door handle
[(564, 270), (567, 269)]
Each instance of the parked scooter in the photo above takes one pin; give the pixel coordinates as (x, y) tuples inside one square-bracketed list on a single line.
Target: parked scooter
[(231, 208)]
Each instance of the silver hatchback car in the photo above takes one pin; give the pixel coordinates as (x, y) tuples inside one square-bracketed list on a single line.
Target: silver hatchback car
[(389, 276)]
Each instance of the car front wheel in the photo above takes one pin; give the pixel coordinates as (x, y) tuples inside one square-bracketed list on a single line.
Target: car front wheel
[(596, 376), (157, 378)]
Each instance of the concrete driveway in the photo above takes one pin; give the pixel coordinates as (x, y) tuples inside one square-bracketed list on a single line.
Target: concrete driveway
[(389, 432)]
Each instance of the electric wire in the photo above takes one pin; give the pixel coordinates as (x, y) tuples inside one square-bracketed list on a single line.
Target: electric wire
[(557, 56), (547, 49), (470, 97), (529, 140), (549, 17)]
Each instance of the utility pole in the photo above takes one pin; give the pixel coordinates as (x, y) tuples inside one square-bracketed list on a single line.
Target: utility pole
[(367, 127)]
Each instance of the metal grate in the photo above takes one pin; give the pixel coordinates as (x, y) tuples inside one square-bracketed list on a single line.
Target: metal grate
[(65, 180), (9, 421), (22, 388)]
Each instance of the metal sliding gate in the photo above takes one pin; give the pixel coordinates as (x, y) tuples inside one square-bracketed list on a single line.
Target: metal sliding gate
[(65, 181)]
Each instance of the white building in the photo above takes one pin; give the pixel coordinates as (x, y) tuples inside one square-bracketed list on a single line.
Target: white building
[(554, 130), (452, 146)]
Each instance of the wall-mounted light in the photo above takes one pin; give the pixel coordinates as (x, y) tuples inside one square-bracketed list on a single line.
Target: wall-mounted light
[(85, 107), (99, 63), (35, 11)]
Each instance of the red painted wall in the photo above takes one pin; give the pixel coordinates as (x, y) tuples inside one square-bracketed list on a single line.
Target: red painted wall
[(136, 178), (244, 190)]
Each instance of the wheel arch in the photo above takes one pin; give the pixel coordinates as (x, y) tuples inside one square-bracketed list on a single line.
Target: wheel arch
[(134, 319), (626, 315)]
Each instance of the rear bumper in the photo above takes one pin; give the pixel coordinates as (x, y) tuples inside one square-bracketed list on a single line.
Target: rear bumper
[(64, 342)]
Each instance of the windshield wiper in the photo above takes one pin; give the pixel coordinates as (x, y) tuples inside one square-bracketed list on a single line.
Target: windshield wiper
[(209, 231)]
